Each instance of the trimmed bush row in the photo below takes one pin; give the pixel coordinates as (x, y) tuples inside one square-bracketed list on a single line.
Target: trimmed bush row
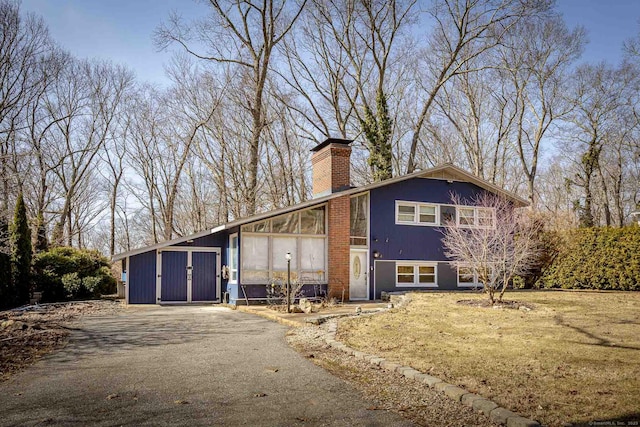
[(595, 258)]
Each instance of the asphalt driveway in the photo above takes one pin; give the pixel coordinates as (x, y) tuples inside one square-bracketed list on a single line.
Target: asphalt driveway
[(187, 365)]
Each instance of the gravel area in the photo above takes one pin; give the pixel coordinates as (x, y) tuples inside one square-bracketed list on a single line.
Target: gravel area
[(386, 390), (28, 333)]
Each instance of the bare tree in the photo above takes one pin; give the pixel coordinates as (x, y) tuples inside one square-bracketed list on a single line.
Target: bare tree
[(464, 30), (356, 47), (501, 245), (243, 34), (84, 104), (537, 68), (24, 45)]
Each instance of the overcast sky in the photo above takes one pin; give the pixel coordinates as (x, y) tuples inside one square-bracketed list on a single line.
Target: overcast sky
[(122, 30)]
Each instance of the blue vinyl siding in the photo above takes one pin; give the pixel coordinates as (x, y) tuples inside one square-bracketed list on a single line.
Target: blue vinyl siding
[(174, 276), (142, 278), (203, 285), (410, 242)]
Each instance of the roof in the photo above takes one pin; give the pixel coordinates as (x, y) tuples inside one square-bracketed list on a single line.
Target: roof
[(330, 141), (444, 171)]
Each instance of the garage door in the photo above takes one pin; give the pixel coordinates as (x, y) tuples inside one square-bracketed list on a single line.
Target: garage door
[(174, 276), (189, 274), (204, 276)]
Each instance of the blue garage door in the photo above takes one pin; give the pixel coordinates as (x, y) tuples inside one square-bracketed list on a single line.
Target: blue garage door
[(174, 276), (204, 278)]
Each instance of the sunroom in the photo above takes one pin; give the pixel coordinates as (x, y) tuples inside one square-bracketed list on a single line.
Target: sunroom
[(291, 247)]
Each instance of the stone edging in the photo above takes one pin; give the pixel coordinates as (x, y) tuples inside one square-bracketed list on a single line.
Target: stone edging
[(491, 409)]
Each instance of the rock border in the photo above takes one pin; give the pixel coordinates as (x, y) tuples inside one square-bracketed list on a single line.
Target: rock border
[(487, 407)]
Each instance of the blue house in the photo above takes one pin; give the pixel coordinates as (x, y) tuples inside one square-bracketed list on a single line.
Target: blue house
[(348, 243)]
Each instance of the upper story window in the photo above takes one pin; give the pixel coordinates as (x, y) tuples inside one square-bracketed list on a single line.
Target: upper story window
[(416, 213)]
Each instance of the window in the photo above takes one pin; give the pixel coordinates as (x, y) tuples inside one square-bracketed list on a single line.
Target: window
[(358, 221), (466, 216), (312, 221), (233, 258), (406, 213), (255, 258), (416, 274), (467, 277), (447, 214), (416, 213), (265, 244), (484, 217), (427, 214), (405, 274), (427, 274)]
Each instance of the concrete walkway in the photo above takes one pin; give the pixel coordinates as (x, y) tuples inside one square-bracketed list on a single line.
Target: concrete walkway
[(182, 366)]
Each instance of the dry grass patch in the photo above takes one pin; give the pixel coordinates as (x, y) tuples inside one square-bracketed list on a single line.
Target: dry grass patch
[(574, 358)]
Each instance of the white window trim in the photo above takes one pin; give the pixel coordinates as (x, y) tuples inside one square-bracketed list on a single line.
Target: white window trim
[(416, 213), (237, 259), (475, 283), (438, 223), (416, 274)]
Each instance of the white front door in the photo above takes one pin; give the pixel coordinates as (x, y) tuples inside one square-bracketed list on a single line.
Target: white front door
[(358, 283)]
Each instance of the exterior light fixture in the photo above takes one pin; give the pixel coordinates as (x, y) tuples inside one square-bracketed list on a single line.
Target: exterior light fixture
[(377, 254)]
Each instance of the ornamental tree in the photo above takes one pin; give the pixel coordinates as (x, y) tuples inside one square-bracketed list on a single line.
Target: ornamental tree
[(497, 248)]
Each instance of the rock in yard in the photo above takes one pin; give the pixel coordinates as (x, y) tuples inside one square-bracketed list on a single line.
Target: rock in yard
[(305, 305)]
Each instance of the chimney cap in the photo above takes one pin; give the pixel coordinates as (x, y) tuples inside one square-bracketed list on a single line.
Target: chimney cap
[(329, 141)]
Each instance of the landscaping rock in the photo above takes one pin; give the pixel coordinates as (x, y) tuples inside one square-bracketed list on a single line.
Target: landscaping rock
[(441, 386), (411, 373), (389, 366), (305, 305), (376, 361), (501, 415), (469, 398), (402, 369), (430, 380), (519, 421), (359, 354), (484, 405), (455, 392)]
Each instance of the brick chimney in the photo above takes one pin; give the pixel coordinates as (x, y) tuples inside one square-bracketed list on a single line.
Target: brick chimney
[(331, 166)]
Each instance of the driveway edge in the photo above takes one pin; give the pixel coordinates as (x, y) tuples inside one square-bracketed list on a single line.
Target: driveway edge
[(479, 403), (487, 407)]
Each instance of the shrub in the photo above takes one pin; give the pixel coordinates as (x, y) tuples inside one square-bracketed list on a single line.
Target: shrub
[(66, 273), (596, 258)]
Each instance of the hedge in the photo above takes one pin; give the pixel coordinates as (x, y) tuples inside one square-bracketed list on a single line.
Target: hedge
[(596, 258)]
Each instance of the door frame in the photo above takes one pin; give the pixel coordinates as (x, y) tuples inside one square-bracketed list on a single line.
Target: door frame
[(365, 270), (189, 250)]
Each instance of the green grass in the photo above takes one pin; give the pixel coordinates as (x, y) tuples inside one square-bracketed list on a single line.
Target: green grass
[(574, 358)]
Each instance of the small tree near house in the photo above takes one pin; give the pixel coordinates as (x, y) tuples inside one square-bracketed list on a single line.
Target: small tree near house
[(498, 243), (21, 253)]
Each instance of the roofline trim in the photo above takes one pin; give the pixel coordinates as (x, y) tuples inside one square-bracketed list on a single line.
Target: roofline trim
[(308, 203)]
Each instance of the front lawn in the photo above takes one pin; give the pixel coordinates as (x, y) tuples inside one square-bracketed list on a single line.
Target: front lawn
[(574, 358)]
